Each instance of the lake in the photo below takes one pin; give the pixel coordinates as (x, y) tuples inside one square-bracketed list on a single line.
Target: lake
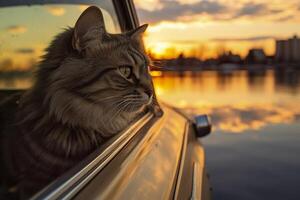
[(253, 150)]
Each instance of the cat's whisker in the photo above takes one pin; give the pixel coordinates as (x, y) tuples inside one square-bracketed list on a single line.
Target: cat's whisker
[(134, 97), (119, 109), (115, 109), (110, 97), (132, 107)]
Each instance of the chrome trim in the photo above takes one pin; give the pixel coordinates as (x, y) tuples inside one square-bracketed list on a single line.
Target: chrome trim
[(197, 181), (202, 121), (133, 13), (182, 160), (127, 15), (202, 125), (82, 177)]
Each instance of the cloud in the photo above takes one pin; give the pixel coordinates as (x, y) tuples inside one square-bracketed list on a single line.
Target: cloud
[(56, 11), (275, 11), (83, 7), (16, 29), (185, 41), (251, 9), (256, 10), (172, 10), (24, 50), (248, 39), (215, 10), (286, 18), (148, 4), (6, 65)]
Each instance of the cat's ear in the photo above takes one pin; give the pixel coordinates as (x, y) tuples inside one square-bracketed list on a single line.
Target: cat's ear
[(138, 31), (91, 17)]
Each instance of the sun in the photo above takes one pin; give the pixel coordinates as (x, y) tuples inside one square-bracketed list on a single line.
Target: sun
[(159, 48)]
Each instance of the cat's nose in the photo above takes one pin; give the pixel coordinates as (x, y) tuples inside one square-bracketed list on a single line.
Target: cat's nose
[(147, 97), (145, 94), (149, 93)]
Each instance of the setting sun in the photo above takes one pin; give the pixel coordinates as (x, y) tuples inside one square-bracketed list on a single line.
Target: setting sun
[(159, 49)]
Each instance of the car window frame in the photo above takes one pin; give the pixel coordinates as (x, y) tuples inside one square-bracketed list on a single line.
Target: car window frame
[(71, 182)]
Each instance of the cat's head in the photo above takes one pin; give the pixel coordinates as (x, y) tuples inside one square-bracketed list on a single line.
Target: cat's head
[(103, 81)]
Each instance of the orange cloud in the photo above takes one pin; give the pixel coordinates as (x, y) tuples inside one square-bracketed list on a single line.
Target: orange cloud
[(56, 11), (83, 7), (148, 4), (17, 29), (156, 11)]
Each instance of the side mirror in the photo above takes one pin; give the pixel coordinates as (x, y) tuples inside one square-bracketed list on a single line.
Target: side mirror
[(202, 125)]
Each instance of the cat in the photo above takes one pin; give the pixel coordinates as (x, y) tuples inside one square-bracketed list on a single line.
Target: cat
[(89, 86)]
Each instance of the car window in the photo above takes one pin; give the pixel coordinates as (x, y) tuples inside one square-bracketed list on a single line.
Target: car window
[(26, 30)]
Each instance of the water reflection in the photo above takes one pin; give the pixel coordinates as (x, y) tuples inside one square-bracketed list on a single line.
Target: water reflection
[(15, 81), (238, 119), (262, 161), (236, 101)]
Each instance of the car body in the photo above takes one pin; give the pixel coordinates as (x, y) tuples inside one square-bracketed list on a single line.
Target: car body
[(155, 158)]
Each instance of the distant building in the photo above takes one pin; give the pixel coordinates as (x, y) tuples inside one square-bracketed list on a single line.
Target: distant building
[(288, 50), (256, 56), (229, 57)]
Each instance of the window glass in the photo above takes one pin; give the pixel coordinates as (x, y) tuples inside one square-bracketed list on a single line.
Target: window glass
[(26, 30)]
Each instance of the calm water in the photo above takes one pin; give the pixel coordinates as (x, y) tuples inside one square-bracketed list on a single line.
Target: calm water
[(253, 151)]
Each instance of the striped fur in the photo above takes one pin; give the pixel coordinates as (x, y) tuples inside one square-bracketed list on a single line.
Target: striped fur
[(78, 101)]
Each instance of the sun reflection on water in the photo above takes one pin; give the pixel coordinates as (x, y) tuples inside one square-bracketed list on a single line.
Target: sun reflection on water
[(237, 102)]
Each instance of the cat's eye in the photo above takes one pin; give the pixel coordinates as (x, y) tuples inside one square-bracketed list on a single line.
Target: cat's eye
[(126, 71)]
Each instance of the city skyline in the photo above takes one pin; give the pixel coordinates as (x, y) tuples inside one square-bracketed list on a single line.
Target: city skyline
[(286, 50)]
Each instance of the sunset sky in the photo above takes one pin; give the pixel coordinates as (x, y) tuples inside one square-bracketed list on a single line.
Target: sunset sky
[(201, 28), (206, 28), (26, 31)]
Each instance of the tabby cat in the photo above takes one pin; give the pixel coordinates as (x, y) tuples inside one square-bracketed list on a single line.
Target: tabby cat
[(89, 86)]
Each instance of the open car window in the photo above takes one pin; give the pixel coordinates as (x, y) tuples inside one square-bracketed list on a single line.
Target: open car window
[(73, 182), (27, 28)]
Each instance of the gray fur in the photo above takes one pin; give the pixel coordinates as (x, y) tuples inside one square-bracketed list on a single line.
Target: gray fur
[(79, 99), (71, 93)]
